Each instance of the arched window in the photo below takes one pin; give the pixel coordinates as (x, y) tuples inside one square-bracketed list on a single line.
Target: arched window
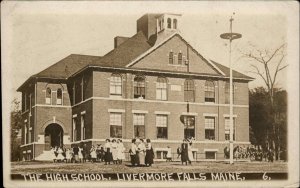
[(48, 95), (169, 21), (161, 89), (139, 87), (209, 91), (116, 85), (171, 57), (175, 24), (189, 91), (179, 58), (59, 97)]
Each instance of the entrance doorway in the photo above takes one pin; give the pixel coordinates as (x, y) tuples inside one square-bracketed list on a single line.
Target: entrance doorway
[(53, 136)]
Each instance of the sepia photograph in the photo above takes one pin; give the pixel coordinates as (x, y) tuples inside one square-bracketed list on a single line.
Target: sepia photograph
[(150, 93)]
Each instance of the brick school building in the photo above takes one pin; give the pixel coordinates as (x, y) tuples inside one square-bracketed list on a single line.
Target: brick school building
[(151, 85)]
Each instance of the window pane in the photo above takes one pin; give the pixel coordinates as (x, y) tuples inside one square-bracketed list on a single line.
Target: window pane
[(116, 85), (171, 57), (139, 131), (209, 91), (169, 23)]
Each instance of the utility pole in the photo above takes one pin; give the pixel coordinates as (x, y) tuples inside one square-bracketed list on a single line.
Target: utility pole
[(230, 36)]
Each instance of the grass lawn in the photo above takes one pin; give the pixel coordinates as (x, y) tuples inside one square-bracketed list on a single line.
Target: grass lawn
[(170, 167)]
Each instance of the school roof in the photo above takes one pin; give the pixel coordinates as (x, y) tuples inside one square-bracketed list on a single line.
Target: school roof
[(126, 53)]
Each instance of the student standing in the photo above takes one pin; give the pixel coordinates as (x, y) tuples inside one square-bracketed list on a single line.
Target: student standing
[(121, 150), (80, 154), (76, 153), (60, 156), (169, 154), (190, 153), (68, 155), (184, 152), (142, 150), (133, 152), (93, 154), (149, 153), (108, 155), (114, 151)]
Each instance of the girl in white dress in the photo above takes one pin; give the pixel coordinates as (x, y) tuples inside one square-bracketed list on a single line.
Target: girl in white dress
[(121, 150), (80, 156), (190, 153), (60, 156), (114, 151), (68, 155), (142, 150), (93, 154), (169, 154)]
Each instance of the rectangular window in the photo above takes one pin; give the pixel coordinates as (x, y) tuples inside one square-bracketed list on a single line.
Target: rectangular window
[(74, 129), (161, 154), (210, 155), (162, 126), (83, 136), (115, 125), (115, 85), (25, 134), (139, 125), (171, 58), (180, 58), (209, 128), (227, 128), (161, 91)]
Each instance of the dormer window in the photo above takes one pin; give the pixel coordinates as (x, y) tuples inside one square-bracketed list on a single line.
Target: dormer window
[(179, 58), (169, 21), (48, 96), (171, 58), (175, 24), (59, 97)]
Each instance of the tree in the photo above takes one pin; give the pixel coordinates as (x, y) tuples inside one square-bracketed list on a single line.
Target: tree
[(267, 64), (15, 127), (260, 119)]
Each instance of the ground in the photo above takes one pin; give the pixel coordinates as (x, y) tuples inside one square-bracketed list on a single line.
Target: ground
[(158, 167)]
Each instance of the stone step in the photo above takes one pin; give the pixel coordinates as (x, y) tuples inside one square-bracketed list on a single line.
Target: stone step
[(45, 156)]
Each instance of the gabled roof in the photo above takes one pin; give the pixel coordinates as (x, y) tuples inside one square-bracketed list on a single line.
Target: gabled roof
[(235, 74), (125, 55)]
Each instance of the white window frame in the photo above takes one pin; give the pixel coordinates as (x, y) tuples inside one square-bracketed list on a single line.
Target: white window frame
[(161, 87), (61, 100), (48, 100), (208, 127), (113, 122), (114, 84), (164, 125), (144, 124)]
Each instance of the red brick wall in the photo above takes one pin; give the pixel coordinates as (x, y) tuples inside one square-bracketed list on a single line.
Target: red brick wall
[(159, 58)]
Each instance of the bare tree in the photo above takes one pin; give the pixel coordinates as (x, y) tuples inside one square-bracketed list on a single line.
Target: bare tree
[(267, 64)]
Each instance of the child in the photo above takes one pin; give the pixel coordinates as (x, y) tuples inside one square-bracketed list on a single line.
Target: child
[(169, 154)]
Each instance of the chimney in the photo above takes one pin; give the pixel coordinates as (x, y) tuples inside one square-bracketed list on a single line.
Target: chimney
[(119, 40), (147, 24)]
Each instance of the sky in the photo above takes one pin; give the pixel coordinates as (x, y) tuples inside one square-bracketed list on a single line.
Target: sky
[(39, 34)]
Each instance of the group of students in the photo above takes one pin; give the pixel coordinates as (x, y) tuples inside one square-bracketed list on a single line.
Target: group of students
[(112, 151), (141, 153)]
